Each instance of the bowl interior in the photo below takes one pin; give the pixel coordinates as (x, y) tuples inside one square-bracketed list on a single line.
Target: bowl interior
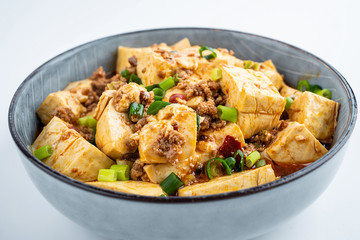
[(80, 62)]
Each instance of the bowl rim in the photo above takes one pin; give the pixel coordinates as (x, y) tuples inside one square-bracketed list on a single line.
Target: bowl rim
[(170, 199)]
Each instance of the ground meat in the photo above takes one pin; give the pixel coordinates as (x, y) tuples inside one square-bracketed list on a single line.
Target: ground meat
[(65, 114), (85, 132), (184, 73), (133, 65), (141, 123), (132, 145), (251, 147), (144, 98), (137, 171), (99, 83), (169, 143), (207, 108), (218, 124)]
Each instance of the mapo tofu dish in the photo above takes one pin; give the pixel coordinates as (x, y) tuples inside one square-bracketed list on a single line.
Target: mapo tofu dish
[(184, 120)]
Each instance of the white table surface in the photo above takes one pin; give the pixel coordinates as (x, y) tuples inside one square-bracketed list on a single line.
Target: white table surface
[(32, 32)]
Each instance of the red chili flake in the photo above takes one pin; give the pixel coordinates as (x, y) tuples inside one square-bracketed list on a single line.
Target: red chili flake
[(173, 98), (229, 147)]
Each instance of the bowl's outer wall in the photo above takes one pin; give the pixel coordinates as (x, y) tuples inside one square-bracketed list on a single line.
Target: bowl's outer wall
[(212, 219)]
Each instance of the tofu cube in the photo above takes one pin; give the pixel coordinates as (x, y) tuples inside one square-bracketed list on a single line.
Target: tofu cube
[(269, 69), (63, 99), (317, 113), (72, 155), (294, 144), (258, 103), (182, 44), (113, 132), (287, 91), (174, 119), (132, 187), (234, 182), (80, 89)]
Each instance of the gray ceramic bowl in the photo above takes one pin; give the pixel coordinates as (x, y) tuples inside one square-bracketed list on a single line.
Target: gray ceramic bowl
[(244, 214)]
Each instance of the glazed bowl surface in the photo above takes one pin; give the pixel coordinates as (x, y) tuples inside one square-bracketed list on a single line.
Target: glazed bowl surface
[(236, 215)]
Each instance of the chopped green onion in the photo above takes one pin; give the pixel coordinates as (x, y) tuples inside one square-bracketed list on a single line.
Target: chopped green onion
[(107, 175), (256, 66), (230, 161), (248, 64), (239, 152), (136, 109), (43, 152), (159, 93), (125, 73), (92, 141), (303, 85), (167, 83), (325, 93), (176, 78), (88, 121), (260, 163), (122, 172), (216, 74), (315, 88), (197, 122), (156, 106), (151, 87), (289, 101), (213, 170), (142, 85), (171, 184), (135, 79), (162, 195), (227, 113), (209, 56), (252, 158)]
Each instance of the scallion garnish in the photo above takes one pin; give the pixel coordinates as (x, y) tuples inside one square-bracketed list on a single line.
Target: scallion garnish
[(151, 87), (212, 167), (260, 163), (227, 113), (289, 101), (167, 84), (136, 109), (325, 93), (171, 184), (156, 106), (209, 56), (125, 73), (135, 79), (159, 93), (252, 158), (303, 85), (315, 88), (197, 122), (248, 64), (88, 121), (230, 162), (122, 172), (216, 74), (241, 163), (43, 152), (107, 175)]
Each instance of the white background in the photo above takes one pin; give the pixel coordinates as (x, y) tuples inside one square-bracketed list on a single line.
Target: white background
[(32, 32)]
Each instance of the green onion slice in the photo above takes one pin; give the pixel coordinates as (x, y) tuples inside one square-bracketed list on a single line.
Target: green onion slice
[(135, 79), (216, 74), (171, 184), (159, 93), (260, 163), (176, 78), (231, 162), (156, 106), (88, 121), (239, 152), (43, 152), (315, 88), (167, 84), (227, 113), (214, 170), (107, 175), (303, 85), (252, 158), (197, 122), (248, 64), (151, 87), (289, 101), (325, 93), (209, 56), (125, 73), (136, 109), (256, 66), (122, 172)]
